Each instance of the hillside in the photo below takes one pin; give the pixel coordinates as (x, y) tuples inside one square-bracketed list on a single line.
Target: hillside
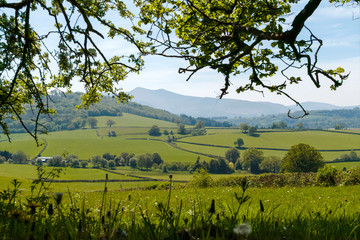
[(67, 117), (203, 106), (321, 119), (213, 107)]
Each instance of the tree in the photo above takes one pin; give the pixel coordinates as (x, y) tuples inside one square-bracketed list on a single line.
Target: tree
[(110, 122), (302, 158), (244, 127), (251, 159), (92, 122), (239, 142), (300, 126), (112, 164), (233, 37), (252, 130), (132, 162), (31, 64), (19, 157), (109, 156), (98, 162), (199, 125), (270, 164), (232, 155), (144, 161), (182, 129), (84, 164), (226, 37), (353, 156), (56, 161), (156, 158), (154, 131), (339, 126)]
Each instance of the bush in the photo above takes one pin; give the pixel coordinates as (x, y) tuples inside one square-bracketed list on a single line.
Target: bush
[(201, 179), (327, 176), (2, 159), (351, 176)]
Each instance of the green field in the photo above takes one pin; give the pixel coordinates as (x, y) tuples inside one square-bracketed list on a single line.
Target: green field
[(132, 137)]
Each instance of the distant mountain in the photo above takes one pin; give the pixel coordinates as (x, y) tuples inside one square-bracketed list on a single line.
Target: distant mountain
[(213, 107), (203, 106), (310, 106)]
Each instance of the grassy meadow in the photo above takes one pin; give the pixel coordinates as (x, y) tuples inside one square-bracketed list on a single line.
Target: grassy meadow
[(128, 207)]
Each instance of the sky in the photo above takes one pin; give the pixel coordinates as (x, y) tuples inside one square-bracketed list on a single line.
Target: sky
[(336, 26)]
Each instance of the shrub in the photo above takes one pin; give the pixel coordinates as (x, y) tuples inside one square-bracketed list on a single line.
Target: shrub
[(201, 179), (327, 176), (351, 176)]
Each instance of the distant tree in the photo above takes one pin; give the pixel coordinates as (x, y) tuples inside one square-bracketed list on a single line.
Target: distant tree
[(156, 158), (19, 157), (2, 159), (244, 127), (56, 161), (270, 164), (339, 126), (154, 131), (109, 156), (300, 126), (283, 125), (353, 156), (5, 154), (200, 124), (238, 165), (132, 162), (112, 164), (75, 163), (302, 158), (166, 132), (251, 159), (144, 161), (110, 122), (92, 122), (182, 129), (98, 162), (275, 126), (84, 164), (239, 142), (171, 132), (252, 130), (232, 155)]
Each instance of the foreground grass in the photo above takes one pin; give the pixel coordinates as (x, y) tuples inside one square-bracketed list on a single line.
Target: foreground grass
[(183, 212)]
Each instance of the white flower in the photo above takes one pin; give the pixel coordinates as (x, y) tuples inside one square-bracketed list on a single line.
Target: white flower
[(243, 229)]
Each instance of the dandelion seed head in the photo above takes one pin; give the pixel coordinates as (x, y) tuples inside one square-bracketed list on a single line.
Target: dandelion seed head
[(243, 229)]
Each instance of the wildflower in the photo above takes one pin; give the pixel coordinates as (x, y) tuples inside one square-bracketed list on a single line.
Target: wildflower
[(50, 209), (243, 229), (58, 197), (212, 208)]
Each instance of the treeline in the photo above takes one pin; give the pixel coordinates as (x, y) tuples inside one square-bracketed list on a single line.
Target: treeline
[(68, 117), (324, 119)]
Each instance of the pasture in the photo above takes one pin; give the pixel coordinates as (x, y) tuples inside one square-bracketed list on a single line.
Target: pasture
[(132, 137)]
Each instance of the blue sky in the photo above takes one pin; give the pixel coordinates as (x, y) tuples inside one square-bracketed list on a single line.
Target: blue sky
[(336, 26), (341, 47)]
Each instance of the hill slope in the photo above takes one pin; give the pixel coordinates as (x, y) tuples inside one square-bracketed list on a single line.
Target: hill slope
[(203, 107), (213, 107)]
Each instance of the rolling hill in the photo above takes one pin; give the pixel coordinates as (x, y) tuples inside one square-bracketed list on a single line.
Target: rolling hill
[(213, 107)]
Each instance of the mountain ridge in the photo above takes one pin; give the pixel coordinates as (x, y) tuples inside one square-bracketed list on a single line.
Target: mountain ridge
[(213, 107)]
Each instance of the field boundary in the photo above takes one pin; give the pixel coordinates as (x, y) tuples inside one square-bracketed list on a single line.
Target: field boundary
[(272, 149)]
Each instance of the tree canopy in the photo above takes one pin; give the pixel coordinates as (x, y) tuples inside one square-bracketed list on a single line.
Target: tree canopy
[(302, 158), (235, 37), (232, 37)]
